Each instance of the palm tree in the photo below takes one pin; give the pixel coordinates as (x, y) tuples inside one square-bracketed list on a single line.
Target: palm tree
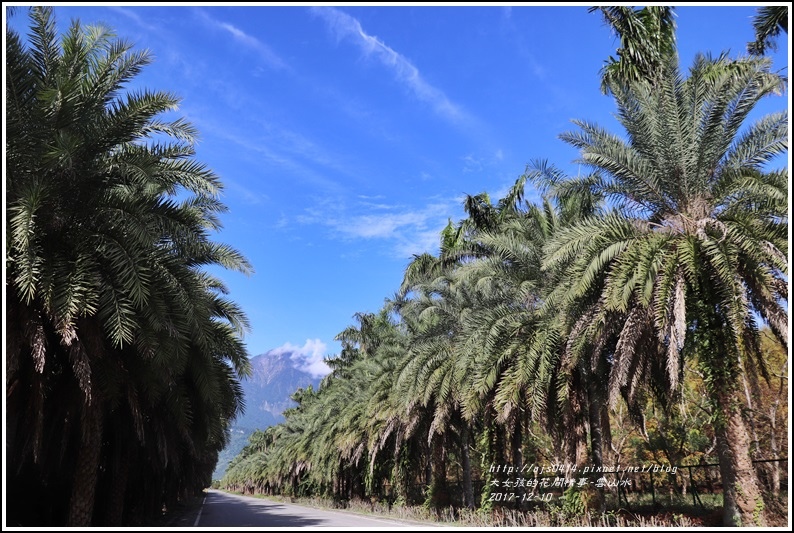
[(768, 22), (521, 371), (114, 323), (377, 424), (647, 39), (438, 303), (696, 242), (479, 348), (436, 369)]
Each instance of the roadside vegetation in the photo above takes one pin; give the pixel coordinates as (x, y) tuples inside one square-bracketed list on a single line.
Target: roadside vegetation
[(123, 355), (636, 315)]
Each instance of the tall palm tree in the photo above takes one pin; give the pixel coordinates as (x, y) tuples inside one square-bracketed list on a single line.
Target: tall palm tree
[(436, 370), (696, 243), (113, 321), (479, 349), (521, 369)]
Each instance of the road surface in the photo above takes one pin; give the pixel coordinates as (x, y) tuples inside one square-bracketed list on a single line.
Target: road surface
[(222, 509)]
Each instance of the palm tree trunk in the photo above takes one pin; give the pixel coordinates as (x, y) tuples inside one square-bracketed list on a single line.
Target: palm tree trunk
[(118, 486), (402, 470), (774, 449), (438, 488), (154, 504), (487, 464), (743, 503), (339, 481), (81, 505), (596, 437), (468, 488), (499, 444), (574, 435), (517, 457)]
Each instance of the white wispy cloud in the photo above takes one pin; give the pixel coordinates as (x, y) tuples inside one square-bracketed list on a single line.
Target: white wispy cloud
[(518, 36), (375, 202), (135, 17), (345, 26), (247, 195), (420, 242), (406, 231), (472, 164), (383, 225), (249, 41), (272, 145), (309, 358), (283, 221), (269, 151), (479, 163)]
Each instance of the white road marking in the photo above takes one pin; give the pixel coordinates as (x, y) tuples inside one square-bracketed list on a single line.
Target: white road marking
[(198, 517)]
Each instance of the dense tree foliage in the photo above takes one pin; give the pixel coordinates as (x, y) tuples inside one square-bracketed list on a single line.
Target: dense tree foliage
[(695, 245), (635, 314), (768, 22), (122, 353), (620, 317)]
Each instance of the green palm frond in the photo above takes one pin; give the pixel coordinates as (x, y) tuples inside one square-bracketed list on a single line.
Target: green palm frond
[(647, 38), (107, 258), (768, 22)]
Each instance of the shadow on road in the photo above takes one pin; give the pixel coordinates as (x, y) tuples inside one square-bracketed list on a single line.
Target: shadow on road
[(223, 510)]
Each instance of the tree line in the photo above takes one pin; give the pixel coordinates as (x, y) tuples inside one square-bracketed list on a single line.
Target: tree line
[(123, 355), (528, 337), (541, 331)]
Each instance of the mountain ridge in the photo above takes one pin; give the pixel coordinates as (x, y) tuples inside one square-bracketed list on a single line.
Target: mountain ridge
[(275, 376)]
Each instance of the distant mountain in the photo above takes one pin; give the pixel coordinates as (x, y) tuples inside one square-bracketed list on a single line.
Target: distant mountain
[(274, 377)]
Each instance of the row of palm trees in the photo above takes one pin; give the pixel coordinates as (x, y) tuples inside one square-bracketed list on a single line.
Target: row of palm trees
[(668, 254), (123, 356)]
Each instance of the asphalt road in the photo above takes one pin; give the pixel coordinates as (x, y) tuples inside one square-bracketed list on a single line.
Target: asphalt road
[(222, 509)]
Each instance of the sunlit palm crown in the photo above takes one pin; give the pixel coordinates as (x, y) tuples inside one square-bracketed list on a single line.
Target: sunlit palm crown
[(697, 219)]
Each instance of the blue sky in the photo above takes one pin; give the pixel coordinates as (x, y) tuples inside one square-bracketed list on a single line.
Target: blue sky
[(347, 136)]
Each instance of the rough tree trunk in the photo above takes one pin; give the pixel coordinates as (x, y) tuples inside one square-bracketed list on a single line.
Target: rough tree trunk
[(118, 487), (574, 434), (774, 449), (81, 504), (401, 475), (517, 456), (439, 497), (594, 401), (468, 488), (743, 502)]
